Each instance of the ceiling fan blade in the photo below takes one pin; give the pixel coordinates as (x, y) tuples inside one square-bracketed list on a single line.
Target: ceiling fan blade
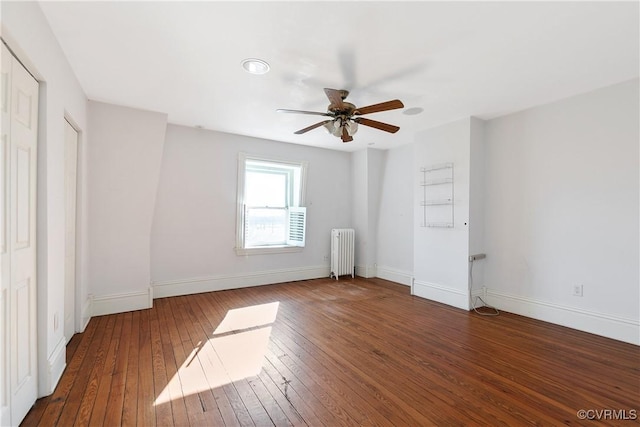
[(383, 106), (335, 97), (378, 125), (345, 135), (314, 113), (308, 128)]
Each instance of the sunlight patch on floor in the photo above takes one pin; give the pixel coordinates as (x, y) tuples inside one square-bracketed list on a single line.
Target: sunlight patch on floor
[(248, 317), (236, 351)]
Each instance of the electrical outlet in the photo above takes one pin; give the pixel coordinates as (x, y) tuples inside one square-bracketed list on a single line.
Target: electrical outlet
[(577, 290)]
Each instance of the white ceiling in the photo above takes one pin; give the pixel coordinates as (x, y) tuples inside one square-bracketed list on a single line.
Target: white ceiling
[(451, 59)]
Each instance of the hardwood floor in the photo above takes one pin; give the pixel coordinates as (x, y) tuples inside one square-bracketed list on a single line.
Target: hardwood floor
[(321, 352)]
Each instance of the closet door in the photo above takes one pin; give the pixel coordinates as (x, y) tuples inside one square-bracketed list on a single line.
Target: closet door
[(5, 408), (70, 185), (19, 152)]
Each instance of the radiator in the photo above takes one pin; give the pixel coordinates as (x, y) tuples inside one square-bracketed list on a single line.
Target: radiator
[(342, 252)]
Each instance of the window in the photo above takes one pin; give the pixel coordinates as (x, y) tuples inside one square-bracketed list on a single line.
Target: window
[(271, 216)]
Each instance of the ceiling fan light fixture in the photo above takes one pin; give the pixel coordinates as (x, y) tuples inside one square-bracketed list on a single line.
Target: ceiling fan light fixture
[(335, 127), (331, 127), (255, 66), (352, 128)]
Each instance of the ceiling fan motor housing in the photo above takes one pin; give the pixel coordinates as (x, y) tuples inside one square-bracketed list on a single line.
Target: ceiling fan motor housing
[(346, 109)]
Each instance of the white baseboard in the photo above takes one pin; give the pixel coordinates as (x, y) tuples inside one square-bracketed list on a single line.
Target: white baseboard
[(366, 271), (56, 363), (393, 275), (480, 292), (621, 329), (120, 303), (87, 310), (441, 293), (235, 281)]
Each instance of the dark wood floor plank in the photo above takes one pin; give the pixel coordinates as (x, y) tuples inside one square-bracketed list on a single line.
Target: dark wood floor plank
[(53, 404), (130, 401), (347, 352), (299, 398), (72, 346), (98, 412), (91, 389), (146, 414), (163, 413), (291, 412), (171, 394), (75, 395), (115, 402)]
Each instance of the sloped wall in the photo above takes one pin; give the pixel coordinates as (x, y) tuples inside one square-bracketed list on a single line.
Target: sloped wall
[(125, 154)]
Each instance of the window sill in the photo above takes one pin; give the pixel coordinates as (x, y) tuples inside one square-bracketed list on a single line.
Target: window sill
[(268, 250)]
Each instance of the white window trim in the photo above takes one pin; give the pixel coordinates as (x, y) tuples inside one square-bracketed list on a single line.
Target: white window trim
[(240, 249)]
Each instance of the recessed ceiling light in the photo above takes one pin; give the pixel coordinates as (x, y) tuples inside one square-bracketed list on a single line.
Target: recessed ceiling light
[(255, 66), (413, 111)]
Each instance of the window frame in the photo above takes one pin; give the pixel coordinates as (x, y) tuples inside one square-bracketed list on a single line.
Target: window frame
[(240, 208)]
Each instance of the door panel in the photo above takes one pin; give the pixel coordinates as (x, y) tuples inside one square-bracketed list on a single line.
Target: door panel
[(4, 190), (23, 198), (19, 219), (24, 350)]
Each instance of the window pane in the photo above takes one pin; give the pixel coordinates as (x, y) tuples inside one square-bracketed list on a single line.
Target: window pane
[(266, 189), (264, 227)]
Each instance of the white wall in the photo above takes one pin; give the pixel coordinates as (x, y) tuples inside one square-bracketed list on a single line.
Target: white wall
[(440, 255), (477, 205), (360, 208), (367, 169), (194, 228), (375, 168), (28, 35), (562, 210), (124, 168), (395, 216)]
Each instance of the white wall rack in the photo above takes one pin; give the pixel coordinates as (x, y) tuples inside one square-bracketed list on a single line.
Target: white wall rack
[(437, 195)]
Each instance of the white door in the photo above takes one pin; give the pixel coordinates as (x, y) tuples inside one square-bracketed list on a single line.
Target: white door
[(19, 145), (5, 408), (70, 182)]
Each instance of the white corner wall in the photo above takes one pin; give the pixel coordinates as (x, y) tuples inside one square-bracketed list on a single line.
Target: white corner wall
[(476, 206), (194, 227), (27, 33), (359, 208), (395, 216), (562, 190), (440, 255), (367, 168), (124, 168)]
